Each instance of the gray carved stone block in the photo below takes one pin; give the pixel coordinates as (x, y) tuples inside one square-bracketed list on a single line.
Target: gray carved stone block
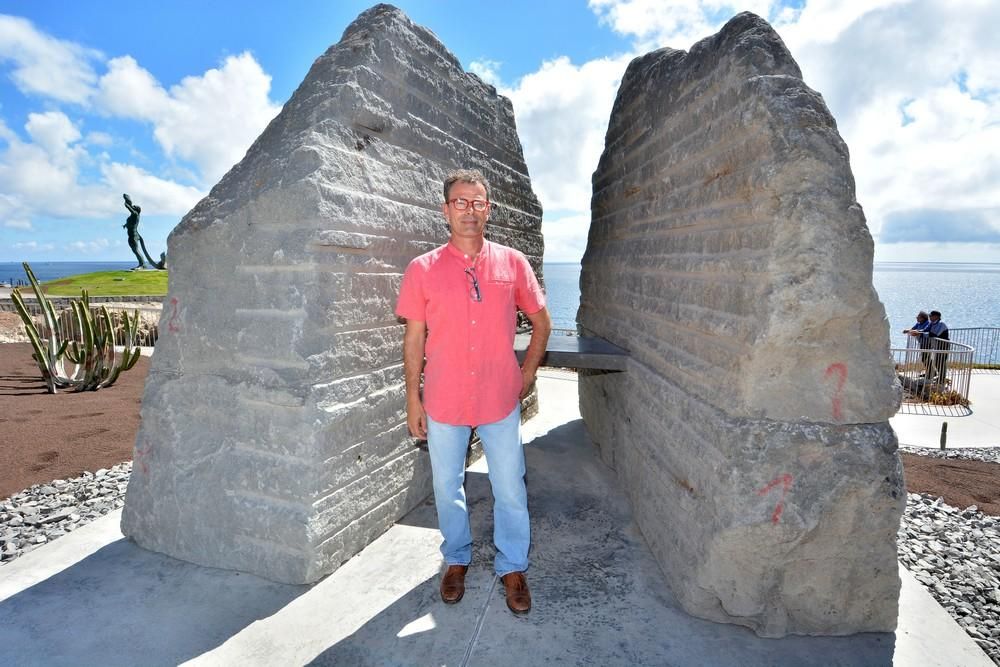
[(273, 436), (728, 254)]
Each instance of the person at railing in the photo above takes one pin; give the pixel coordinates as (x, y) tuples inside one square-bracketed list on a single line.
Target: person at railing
[(916, 331), (937, 338), (919, 326)]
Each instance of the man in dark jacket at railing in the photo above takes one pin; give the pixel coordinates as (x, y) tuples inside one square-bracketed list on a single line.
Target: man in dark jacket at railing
[(937, 336)]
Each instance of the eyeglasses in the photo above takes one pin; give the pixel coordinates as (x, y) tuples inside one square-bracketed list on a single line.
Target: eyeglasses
[(474, 292), (478, 205)]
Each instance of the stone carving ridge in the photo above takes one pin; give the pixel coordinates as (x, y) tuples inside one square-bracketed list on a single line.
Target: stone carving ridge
[(728, 254), (273, 422)]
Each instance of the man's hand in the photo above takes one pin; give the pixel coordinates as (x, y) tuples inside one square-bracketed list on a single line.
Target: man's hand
[(527, 382), (416, 418)]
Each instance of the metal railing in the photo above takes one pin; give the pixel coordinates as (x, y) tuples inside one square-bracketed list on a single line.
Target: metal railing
[(986, 341), (935, 375), (148, 329)]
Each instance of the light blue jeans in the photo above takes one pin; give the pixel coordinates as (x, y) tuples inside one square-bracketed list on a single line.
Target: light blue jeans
[(505, 458)]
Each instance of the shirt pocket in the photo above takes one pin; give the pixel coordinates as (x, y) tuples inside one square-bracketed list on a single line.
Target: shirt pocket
[(499, 291)]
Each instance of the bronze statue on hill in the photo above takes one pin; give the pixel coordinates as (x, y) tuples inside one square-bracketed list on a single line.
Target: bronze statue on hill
[(135, 238)]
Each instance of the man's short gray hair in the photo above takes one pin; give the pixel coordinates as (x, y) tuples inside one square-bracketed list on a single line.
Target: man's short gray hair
[(466, 176)]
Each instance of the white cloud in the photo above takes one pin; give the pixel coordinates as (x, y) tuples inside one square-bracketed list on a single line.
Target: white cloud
[(129, 91), (674, 23), (914, 85), (823, 21), (155, 195), (487, 70), (210, 120), (44, 65), (12, 213), (42, 178), (915, 88), (53, 131), (205, 121), (562, 114), (34, 246), (566, 238), (89, 247), (42, 175), (99, 139)]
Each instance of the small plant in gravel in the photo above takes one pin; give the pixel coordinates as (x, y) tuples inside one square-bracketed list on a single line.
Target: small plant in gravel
[(97, 363), (946, 397)]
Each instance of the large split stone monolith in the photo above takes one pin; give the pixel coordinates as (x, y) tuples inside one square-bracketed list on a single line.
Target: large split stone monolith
[(727, 253), (273, 436)]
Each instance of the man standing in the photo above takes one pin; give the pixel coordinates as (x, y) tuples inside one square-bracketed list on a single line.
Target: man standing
[(937, 335), (460, 303)]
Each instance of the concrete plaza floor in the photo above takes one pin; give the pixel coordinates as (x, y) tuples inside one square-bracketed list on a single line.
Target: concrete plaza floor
[(94, 598), (977, 427)]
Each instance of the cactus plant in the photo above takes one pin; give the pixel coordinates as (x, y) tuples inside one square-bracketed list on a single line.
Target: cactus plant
[(97, 364), (48, 349)]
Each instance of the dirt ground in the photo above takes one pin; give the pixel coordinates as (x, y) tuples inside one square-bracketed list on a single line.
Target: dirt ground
[(55, 436), (45, 437), (961, 483)]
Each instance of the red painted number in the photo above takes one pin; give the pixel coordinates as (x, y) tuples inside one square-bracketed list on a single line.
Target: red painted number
[(840, 370), (173, 328), (786, 483)]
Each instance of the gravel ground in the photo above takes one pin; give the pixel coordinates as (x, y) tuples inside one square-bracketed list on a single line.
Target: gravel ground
[(954, 552), (987, 454), (46, 512)]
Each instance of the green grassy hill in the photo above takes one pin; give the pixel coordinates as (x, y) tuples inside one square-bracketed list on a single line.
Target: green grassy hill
[(109, 283)]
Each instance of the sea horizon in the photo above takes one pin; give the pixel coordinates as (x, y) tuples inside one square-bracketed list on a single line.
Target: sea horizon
[(966, 293)]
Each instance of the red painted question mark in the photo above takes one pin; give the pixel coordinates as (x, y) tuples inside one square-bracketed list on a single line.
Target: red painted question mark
[(840, 369), (785, 481), (170, 323)]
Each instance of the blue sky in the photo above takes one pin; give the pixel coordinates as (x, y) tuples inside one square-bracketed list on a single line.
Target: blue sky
[(160, 99)]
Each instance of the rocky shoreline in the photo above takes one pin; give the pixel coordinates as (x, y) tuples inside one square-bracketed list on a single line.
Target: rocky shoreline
[(954, 552)]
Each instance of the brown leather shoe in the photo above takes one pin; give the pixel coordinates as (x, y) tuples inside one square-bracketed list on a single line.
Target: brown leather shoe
[(453, 583), (518, 595)]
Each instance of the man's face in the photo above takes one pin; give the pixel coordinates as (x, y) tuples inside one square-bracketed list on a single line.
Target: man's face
[(470, 223), (935, 318)]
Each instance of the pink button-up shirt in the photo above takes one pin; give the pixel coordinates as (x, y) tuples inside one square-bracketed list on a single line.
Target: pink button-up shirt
[(472, 376)]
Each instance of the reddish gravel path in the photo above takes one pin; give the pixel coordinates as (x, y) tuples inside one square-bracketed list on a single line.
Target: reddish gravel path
[(54, 436)]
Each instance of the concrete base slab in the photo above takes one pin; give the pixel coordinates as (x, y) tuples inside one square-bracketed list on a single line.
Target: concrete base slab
[(92, 597)]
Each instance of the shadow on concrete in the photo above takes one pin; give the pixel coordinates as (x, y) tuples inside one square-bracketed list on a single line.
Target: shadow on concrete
[(599, 596), (128, 606)]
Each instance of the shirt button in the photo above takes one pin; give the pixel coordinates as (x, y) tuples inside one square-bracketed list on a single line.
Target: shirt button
[(473, 321)]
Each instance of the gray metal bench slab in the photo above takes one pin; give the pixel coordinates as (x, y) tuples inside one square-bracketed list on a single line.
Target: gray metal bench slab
[(576, 352)]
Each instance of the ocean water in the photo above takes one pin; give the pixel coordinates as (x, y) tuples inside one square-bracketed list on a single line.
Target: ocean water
[(968, 295), (12, 273)]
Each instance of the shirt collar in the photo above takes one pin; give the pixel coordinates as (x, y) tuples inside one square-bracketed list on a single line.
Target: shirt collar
[(461, 256)]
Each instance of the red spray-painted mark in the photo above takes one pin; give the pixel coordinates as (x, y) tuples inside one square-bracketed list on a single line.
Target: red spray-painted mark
[(173, 328), (142, 455), (840, 370), (786, 483)]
